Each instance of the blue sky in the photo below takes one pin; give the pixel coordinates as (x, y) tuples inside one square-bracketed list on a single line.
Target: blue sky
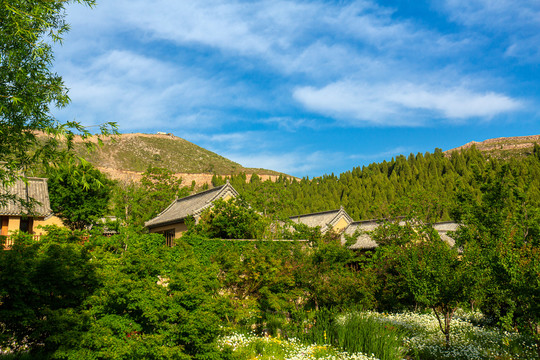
[(307, 87)]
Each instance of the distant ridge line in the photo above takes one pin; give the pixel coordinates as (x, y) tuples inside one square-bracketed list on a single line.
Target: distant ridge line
[(514, 144)]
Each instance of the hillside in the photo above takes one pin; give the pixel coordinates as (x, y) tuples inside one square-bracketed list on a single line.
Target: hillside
[(425, 182), (126, 156), (503, 148)]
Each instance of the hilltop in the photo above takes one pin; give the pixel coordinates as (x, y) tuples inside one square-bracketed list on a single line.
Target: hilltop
[(127, 156), (504, 147)]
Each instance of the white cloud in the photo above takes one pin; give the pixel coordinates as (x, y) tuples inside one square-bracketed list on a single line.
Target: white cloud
[(141, 92), (290, 36), (261, 149), (311, 46), (398, 104), (494, 14), (291, 124)]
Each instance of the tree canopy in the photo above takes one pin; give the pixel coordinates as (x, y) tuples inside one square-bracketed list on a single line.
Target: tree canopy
[(29, 87), (79, 206)]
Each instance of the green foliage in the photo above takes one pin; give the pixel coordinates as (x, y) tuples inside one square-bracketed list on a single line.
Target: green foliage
[(270, 282), (43, 288), (29, 87), (437, 278), (79, 194), (137, 203), (259, 278), (231, 219), (356, 332), (423, 184), (353, 332), (153, 303), (502, 227)]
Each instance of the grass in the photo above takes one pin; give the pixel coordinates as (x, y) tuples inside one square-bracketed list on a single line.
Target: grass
[(137, 152), (359, 332), (266, 348), (407, 335)]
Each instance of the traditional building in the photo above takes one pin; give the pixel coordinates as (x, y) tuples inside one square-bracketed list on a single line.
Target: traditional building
[(171, 221), (361, 230), (337, 220), (16, 217)]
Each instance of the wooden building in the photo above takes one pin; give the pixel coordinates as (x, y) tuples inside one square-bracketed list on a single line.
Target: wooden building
[(171, 221), (16, 217)]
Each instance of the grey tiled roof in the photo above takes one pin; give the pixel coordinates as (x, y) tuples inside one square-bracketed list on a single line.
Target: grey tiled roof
[(192, 205), (35, 188), (322, 219), (443, 227), (364, 240)]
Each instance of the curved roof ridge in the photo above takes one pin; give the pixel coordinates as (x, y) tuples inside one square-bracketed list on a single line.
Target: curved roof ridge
[(191, 205), (224, 188), (315, 213)]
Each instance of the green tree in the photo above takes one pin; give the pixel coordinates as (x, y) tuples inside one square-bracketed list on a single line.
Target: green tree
[(137, 203), (29, 87), (437, 278), (231, 219), (329, 276), (76, 204), (503, 224), (152, 303), (261, 278), (43, 286)]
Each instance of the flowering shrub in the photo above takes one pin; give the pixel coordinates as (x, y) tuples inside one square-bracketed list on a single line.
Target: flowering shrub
[(468, 341), (256, 347), (471, 338)]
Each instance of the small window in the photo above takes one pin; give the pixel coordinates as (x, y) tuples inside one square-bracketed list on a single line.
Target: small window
[(26, 225)]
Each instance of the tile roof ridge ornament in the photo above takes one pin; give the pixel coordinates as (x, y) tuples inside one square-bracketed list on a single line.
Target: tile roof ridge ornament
[(224, 188)]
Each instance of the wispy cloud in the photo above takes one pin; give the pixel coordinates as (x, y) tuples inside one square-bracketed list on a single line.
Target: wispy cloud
[(517, 20), (290, 124), (397, 104), (141, 92), (505, 12), (261, 76), (321, 45), (288, 35)]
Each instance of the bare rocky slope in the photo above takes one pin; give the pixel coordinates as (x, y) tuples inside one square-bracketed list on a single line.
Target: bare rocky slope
[(503, 148)]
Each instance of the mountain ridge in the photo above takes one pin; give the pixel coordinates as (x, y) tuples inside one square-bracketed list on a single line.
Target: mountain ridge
[(125, 157), (503, 147)]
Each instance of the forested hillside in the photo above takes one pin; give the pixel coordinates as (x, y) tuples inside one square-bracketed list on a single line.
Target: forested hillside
[(423, 183)]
